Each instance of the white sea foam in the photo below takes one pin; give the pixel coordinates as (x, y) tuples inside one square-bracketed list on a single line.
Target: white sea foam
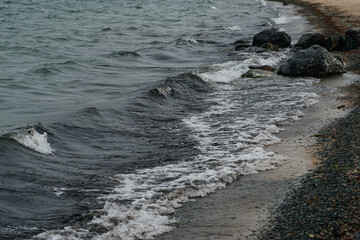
[(34, 140), (283, 19), (187, 41), (233, 28), (231, 71), (263, 2), (212, 7)]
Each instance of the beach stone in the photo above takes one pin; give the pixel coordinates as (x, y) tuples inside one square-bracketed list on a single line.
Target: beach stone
[(309, 39), (354, 34), (257, 73), (315, 61), (334, 41), (263, 67), (337, 42), (273, 36)]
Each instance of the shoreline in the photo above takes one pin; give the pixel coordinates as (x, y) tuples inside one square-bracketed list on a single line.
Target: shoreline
[(249, 204), (324, 205), (244, 207)]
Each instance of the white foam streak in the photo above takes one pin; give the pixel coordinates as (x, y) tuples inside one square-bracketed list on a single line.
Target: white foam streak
[(284, 19), (233, 28), (231, 71), (34, 140)]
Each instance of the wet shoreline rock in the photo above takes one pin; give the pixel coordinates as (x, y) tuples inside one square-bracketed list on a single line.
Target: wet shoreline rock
[(354, 34), (273, 36), (335, 42), (338, 42), (315, 61), (309, 39)]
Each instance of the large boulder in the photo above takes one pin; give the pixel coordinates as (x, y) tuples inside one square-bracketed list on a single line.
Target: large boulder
[(273, 36), (354, 34), (309, 39), (315, 61)]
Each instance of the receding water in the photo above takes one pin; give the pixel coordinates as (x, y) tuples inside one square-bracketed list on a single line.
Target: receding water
[(114, 113)]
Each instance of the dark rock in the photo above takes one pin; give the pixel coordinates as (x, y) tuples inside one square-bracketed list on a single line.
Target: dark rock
[(241, 41), (264, 68), (315, 61), (339, 58), (242, 46), (257, 73), (309, 39), (354, 34), (271, 47), (274, 36), (334, 41), (337, 42)]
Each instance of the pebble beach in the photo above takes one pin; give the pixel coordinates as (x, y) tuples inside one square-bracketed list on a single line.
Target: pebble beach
[(325, 203)]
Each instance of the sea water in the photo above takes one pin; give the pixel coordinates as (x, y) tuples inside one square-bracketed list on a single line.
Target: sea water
[(113, 114)]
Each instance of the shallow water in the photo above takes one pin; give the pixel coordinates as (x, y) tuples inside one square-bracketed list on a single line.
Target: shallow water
[(113, 113)]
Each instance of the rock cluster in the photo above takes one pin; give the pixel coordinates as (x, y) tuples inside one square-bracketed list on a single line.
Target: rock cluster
[(311, 57)]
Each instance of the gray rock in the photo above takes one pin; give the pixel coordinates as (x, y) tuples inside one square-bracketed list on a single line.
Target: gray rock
[(337, 42), (274, 36), (315, 61), (257, 73), (309, 39), (354, 34)]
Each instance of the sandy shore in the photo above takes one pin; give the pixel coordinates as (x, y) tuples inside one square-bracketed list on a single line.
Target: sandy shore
[(349, 7), (334, 15)]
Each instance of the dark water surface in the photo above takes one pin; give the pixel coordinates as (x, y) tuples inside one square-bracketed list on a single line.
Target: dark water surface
[(114, 113)]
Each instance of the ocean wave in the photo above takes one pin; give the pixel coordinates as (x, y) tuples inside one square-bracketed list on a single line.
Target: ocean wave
[(231, 71), (186, 41), (32, 139), (230, 145), (233, 28), (124, 54)]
